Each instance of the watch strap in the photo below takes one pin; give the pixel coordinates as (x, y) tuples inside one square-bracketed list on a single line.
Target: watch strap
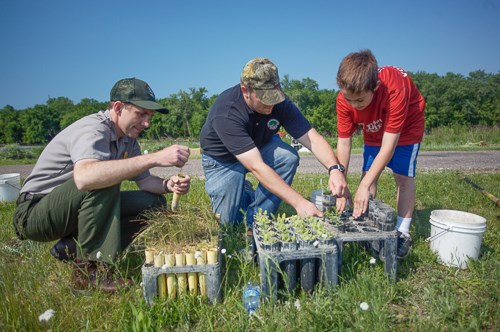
[(339, 167)]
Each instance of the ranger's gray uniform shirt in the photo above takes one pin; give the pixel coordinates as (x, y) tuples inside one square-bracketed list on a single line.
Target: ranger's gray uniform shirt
[(91, 137)]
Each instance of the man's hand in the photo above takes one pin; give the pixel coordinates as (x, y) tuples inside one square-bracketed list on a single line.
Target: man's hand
[(175, 155), (308, 209), (337, 183), (178, 185)]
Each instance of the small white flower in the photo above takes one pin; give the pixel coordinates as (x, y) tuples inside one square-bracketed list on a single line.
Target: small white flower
[(373, 260), (229, 256), (297, 304), (197, 254), (146, 151), (364, 306), (223, 251), (46, 315), (98, 255), (316, 243)]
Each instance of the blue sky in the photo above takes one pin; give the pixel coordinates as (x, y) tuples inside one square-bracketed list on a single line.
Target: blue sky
[(79, 49)]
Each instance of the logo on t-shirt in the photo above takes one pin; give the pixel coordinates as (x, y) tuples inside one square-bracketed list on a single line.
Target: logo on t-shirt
[(374, 126), (273, 124)]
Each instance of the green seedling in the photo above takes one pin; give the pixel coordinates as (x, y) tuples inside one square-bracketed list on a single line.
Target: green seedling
[(268, 237), (287, 237), (320, 229), (262, 219)]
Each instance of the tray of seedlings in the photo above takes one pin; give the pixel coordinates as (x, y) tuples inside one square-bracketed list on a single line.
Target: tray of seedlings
[(375, 228), (309, 249), (293, 251)]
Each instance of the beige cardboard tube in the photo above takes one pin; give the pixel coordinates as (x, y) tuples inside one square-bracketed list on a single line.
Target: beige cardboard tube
[(159, 260), (175, 201), (170, 277), (149, 253), (192, 276), (201, 258), (180, 260), (214, 240), (212, 256), (176, 197)]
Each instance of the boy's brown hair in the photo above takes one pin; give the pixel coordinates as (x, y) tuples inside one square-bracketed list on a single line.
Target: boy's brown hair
[(358, 72)]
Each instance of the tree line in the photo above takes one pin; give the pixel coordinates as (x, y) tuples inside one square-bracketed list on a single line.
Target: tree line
[(452, 99)]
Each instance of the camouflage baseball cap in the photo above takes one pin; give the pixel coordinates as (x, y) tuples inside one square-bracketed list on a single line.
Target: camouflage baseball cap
[(261, 75), (137, 92)]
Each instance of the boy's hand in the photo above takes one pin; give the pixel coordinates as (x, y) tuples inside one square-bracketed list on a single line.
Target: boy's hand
[(361, 201), (342, 203)]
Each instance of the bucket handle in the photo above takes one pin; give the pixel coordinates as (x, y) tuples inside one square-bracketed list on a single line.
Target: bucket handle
[(430, 238), (8, 183)]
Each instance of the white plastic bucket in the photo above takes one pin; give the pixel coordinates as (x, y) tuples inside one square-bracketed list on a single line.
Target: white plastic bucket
[(10, 184), (456, 236)]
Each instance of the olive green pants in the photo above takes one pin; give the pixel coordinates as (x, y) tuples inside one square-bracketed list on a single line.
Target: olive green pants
[(103, 221)]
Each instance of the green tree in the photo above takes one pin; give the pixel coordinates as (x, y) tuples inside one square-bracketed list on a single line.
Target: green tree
[(187, 114), (60, 105), (303, 93), (12, 130), (454, 99), (324, 116), (85, 107), (40, 124)]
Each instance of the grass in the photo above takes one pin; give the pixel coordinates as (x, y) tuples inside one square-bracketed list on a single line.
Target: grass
[(169, 232), (462, 138), (427, 295)]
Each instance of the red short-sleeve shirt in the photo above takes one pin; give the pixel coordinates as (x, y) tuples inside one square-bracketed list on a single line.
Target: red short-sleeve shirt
[(397, 107)]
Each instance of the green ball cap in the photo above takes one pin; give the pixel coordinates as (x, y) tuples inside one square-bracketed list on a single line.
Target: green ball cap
[(137, 92)]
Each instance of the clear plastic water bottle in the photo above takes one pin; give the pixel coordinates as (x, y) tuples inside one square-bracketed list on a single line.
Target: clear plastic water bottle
[(251, 297)]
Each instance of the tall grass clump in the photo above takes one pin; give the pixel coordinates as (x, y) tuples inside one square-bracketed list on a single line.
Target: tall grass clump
[(462, 138), (174, 231)]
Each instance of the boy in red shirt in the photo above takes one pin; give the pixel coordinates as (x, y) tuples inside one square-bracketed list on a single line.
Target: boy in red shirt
[(388, 107)]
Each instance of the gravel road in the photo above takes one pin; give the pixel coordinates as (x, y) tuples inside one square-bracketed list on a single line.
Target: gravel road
[(427, 161)]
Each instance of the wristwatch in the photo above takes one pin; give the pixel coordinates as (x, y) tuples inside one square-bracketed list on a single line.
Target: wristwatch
[(339, 167)]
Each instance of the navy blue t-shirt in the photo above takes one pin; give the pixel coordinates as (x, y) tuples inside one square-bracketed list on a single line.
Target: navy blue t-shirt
[(232, 128)]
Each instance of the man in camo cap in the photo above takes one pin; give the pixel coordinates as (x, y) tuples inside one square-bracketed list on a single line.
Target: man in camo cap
[(240, 136)]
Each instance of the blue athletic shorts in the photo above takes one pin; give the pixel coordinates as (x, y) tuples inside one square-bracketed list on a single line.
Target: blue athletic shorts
[(404, 160)]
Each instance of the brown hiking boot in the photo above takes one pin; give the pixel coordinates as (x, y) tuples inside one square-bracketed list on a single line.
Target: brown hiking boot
[(91, 275)]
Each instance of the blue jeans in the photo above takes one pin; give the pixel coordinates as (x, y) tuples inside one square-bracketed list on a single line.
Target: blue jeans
[(225, 183)]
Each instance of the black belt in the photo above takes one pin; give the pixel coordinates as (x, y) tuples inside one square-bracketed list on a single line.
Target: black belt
[(23, 197)]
